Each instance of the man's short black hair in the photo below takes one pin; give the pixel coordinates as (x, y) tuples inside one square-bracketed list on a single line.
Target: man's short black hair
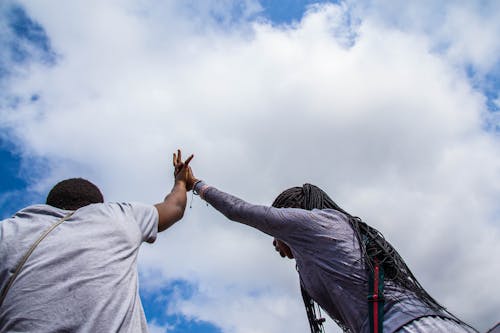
[(74, 193)]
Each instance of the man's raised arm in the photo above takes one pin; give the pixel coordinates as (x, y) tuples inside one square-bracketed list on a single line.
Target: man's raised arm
[(172, 208)]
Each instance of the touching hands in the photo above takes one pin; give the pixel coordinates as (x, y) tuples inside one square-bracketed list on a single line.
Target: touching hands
[(191, 179), (182, 170)]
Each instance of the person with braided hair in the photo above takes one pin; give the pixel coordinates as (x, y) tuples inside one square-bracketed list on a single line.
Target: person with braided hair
[(344, 265)]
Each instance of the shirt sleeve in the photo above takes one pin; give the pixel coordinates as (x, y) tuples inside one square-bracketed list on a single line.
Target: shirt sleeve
[(284, 223), (146, 217)]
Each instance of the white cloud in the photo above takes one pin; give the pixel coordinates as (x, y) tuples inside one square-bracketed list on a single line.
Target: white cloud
[(465, 31), (154, 328), (391, 129)]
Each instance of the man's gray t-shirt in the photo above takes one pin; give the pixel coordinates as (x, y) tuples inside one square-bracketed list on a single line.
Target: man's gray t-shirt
[(83, 276)]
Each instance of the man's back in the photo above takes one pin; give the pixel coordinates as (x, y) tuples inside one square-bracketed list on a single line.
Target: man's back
[(83, 276)]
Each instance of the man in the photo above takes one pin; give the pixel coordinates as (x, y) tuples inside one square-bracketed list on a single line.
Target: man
[(344, 265), (82, 277)]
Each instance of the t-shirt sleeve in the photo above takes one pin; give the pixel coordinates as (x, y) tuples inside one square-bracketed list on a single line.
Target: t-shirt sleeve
[(146, 217)]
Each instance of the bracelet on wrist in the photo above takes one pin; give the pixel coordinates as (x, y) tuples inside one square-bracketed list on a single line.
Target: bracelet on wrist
[(194, 186)]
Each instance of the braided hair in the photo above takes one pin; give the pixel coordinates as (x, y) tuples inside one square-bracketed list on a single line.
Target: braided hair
[(372, 243)]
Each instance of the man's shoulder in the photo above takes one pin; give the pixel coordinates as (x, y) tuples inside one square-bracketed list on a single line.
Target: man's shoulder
[(122, 204), (36, 209), (119, 205), (135, 210)]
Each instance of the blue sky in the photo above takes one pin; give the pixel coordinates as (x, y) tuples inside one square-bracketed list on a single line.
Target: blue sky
[(25, 33), (398, 100)]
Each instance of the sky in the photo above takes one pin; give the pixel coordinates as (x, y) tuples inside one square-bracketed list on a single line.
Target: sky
[(392, 107)]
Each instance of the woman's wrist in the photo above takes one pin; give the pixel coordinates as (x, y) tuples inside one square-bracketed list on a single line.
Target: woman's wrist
[(199, 187), (196, 181)]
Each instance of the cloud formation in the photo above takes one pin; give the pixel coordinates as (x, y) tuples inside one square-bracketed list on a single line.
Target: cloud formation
[(370, 102)]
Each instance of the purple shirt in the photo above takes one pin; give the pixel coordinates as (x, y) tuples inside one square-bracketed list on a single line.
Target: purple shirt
[(328, 258)]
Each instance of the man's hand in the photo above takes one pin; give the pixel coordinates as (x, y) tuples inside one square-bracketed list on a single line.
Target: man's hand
[(172, 208), (182, 170)]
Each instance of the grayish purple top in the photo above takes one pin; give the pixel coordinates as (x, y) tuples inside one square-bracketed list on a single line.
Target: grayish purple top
[(328, 259)]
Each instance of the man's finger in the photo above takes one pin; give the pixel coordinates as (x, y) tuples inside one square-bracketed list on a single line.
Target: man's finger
[(179, 156), (186, 162)]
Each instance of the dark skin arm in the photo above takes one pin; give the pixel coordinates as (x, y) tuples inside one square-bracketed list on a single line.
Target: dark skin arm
[(172, 208)]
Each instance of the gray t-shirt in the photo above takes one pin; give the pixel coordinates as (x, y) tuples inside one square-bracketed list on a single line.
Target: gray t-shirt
[(83, 276), (328, 259)]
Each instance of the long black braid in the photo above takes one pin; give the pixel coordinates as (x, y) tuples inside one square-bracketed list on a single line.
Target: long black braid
[(371, 242)]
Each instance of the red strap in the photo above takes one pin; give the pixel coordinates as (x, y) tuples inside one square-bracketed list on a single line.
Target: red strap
[(375, 299)]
